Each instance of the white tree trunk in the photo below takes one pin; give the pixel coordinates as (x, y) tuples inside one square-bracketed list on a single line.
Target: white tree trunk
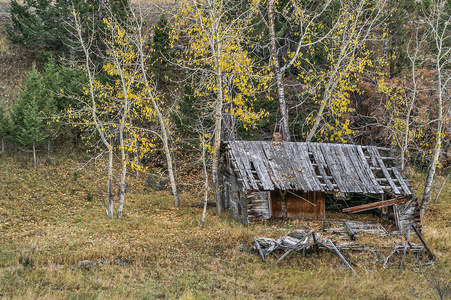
[(433, 164), (122, 184), (439, 23), (93, 109), (34, 155), (218, 128), (410, 104), (165, 135), (110, 184), (318, 119), (204, 168), (278, 74), (430, 177), (354, 34)]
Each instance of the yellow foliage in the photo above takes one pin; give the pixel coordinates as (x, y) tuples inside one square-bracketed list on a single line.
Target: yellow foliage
[(227, 73)]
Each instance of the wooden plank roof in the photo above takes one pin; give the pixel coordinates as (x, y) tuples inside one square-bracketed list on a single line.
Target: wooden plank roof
[(266, 165)]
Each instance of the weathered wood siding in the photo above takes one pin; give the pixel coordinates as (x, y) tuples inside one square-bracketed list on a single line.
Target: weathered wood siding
[(296, 205), (258, 207), (235, 196), (406, 214)]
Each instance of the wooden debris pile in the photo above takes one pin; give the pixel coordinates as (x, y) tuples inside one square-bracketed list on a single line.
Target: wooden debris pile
[(355, 229), (310, 241), (347, 232), (418, 250), (296, 241)]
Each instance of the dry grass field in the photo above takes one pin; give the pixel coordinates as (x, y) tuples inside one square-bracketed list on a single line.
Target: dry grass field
[(57, 243)]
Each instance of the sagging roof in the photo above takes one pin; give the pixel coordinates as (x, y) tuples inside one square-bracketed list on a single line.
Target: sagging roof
[(266, 165)]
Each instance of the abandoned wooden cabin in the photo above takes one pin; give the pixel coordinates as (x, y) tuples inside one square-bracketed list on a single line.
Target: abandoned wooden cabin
[(265, 179)]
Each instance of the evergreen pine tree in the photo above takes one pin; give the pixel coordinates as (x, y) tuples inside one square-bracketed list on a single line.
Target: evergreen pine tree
[(31, 133), (37, 24), (41, 24), (162, 52), (190, 111), (187, 109), (28, 129)]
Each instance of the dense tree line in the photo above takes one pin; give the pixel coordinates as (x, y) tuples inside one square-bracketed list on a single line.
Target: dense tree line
[(368, 72)]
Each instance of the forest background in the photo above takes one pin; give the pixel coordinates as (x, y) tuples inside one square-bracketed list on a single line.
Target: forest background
[(138, 94)]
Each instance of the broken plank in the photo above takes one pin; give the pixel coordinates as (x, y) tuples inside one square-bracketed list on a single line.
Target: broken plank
[(401, 181), (244, 153), (341, 256), (422, 241), (405, 247), (374, 205), (378, 157), (274, 167), (302, 241), (297, 168), (349, 229), (322, 165), (333, 167), (261, 166), (342, 164), (353, 166), (304, 166), (367, 171), (240, 167), (364, 181), (378, 148), (260, 251)]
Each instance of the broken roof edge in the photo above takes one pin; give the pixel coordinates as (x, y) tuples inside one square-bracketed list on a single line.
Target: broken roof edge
[(346, 168)]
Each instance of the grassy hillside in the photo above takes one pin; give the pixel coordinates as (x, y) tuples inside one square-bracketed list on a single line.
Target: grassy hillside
[(57, 243)]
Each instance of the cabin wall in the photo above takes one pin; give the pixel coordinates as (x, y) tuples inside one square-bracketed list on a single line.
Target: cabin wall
[(234, 197), (298, 204), (258, 205)]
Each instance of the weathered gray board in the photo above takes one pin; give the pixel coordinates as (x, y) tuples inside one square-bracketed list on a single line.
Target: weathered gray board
[(407, 214), (258, 207), (263, 165)]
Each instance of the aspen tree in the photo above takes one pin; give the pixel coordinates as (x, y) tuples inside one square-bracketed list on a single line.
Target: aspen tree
[(223, 69), (414, 57), (438, 23), (305, 17), (89, 116), (119, 96), (406, 103), (150, 95), (346, 57)]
